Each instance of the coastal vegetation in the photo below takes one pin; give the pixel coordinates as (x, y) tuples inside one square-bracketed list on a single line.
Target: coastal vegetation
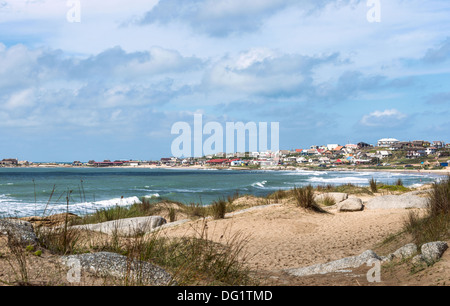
[(305, 198), (434, 224)]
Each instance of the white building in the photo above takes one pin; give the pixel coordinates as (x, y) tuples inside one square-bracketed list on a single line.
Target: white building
[(331, 147), (384, 154), (387, 142)]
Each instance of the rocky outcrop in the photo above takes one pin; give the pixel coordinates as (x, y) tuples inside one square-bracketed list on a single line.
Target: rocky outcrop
[(433, 251), (351, 204), (396, 201), (111, 264), (367, 257), (430, 253), (18, 231), (406, 251), (125, 227)]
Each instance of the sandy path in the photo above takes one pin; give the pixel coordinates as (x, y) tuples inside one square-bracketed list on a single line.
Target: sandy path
[(288, 237)]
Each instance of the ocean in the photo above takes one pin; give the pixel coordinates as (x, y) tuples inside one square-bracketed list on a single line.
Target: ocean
[(33, 191)]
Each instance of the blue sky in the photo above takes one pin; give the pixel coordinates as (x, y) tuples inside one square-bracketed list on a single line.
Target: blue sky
[(112, 85)]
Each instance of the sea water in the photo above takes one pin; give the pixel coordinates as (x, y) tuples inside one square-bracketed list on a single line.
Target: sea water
[(35, 191)]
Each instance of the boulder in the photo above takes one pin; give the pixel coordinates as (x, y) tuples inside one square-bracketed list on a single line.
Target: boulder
[(336, 196), (111, 264), (353, 262), (396, 201), (18, 231), (433, 251), (351, 204), (125, 227), (418, 260), (406, 251)]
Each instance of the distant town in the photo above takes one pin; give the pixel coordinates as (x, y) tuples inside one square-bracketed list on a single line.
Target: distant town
[(387, 153)]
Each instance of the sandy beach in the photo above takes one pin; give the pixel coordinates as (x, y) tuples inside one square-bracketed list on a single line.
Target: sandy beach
[(284, 237)]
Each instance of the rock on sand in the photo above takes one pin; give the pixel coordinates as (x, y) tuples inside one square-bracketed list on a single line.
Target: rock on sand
[(125, 227), (351, 204), (396, 201), (336, 196), (115, 265), (335, 266)]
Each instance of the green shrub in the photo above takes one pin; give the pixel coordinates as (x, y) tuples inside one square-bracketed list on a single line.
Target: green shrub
[(172, 214), (373, 185), (328, 201), (439, 198), (435, 224), (394, 188), (218, 209), (305, 198), (278, 195), (195, 210)]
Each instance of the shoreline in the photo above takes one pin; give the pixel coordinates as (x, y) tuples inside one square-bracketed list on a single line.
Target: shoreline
[(275, 168)]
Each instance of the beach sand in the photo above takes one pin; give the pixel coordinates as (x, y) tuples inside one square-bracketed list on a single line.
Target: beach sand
[(284, 237), (281, 237)]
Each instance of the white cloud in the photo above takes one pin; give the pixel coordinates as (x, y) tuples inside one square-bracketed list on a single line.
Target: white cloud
[(21, 99), (221, 18), (386, 118)]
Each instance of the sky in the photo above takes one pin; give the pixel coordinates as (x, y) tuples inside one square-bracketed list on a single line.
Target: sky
[(94, 79)]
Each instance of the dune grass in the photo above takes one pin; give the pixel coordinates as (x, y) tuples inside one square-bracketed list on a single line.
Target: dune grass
[(373, 185), (434, 225), (305, 198)]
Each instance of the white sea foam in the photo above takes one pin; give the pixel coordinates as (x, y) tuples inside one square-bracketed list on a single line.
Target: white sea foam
[(339, 180), (13, 207), (151, 196), (259, 184), (305, 173)]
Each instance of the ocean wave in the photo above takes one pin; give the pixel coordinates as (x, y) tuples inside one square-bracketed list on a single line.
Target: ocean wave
[(259, 184), (151, 196), (340, 180), (13, 207), (305, 173)]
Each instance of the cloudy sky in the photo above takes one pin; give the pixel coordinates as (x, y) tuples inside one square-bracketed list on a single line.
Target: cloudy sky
[(112, 85)]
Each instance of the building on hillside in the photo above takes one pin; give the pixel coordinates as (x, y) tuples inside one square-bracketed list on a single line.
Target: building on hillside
[(237, 163), (438, 144), (421, 143), (387, 142), (384, 154), (284, 153), (415, 152), (363, 145), (9, 162), (331, 147), (430, 150), (219, 162)]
